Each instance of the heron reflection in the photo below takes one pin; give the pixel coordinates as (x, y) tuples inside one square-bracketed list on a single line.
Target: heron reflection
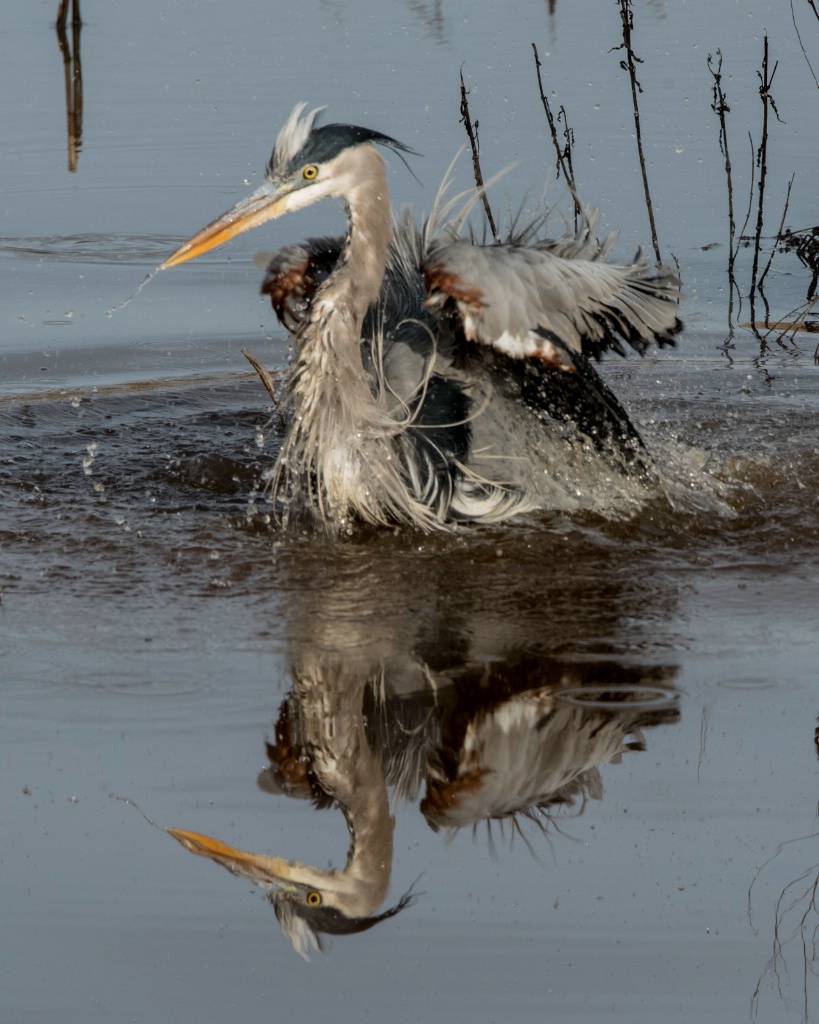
[(437, 380), (334, 748), (493, 742)]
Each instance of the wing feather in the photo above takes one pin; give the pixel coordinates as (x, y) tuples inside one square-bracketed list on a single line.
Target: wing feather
[(552, 299)]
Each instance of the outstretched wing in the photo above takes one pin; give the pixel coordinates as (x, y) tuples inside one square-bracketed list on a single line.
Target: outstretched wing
[(552, 300)]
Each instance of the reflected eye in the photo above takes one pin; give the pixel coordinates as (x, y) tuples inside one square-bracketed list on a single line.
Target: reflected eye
[(313, 898), (310, 173)]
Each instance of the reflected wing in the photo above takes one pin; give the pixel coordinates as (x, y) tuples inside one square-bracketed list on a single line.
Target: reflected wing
[(554, 299), (294, 273)]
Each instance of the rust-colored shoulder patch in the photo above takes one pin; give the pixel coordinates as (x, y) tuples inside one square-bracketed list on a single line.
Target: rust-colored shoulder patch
[(281, 285), (443, 796), (439, 279), (285, 285)]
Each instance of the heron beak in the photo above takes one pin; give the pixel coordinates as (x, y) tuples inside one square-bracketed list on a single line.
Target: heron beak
[(258, 867), (264, 204)]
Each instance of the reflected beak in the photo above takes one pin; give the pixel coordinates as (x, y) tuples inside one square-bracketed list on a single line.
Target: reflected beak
[(264, 204), (258, 867)]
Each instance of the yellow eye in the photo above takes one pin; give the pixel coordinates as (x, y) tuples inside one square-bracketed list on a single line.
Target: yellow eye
[(310, 173), (313, 898)]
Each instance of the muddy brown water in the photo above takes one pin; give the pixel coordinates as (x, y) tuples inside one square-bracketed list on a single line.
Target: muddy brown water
[(163, 643)]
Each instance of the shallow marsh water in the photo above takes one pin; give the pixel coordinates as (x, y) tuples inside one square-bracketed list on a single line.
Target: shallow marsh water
[(153, 624)]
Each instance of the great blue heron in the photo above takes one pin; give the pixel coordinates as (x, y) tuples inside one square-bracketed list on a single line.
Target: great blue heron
[(435, 379)]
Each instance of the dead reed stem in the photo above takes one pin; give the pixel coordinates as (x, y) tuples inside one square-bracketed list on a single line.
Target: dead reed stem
[(564, 152), (472, 132), (630, 65), (719, 105), (765, 82)]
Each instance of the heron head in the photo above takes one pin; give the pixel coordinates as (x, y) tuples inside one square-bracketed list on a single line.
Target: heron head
[(308, 163), (308, 901)]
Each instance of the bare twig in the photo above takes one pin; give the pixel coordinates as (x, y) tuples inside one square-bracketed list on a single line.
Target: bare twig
[(741, 235), (629, 65), (765, 82), (778, 232), (472, 132), (568, 135), (564, 153), (720, 107), (801, 44)]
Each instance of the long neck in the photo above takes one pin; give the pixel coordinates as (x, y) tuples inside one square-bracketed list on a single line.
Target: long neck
[(333, 405), (357, 280), (334, 324)]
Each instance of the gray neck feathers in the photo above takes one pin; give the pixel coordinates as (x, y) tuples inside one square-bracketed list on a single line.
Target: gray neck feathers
[(337, 420)]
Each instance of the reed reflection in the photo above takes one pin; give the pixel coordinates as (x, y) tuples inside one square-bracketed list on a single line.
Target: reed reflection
[(384, 709), (72, 71)]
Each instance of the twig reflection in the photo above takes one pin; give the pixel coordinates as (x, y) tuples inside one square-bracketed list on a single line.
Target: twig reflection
[(72, 69), (796, 920)]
